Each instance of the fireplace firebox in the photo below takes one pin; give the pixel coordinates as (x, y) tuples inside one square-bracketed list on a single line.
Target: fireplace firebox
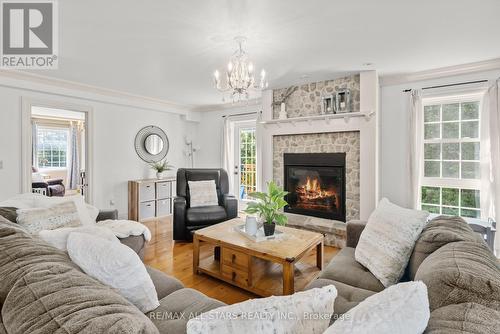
[(316, 184)]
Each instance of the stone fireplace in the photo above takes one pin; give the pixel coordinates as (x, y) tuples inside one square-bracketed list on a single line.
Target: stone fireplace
[(315, 183), (331, 143), (317, 201)]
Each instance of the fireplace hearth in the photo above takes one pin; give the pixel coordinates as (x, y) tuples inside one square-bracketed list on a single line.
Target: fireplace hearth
[(316, 184)]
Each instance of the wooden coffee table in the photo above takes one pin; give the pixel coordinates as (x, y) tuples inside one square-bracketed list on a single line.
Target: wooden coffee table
[(270, 267)]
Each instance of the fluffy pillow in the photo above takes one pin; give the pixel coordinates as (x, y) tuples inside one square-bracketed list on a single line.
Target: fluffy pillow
[(202, 193), (115, 265), (22, 201), (81, 206), (386, 243), (303, 312), (401, 308), (59, 237), (59, 215)]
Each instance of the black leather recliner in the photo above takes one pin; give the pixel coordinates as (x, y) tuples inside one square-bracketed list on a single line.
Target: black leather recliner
[(187, 219)]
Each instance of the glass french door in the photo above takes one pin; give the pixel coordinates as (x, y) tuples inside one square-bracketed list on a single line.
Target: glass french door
[(245, 169)]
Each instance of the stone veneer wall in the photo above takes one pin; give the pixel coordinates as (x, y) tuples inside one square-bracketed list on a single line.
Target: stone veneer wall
[(306, 101), (331, 142)]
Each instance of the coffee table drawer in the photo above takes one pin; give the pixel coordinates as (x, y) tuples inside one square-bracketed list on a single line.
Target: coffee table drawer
[(234, 258), (235, 275)]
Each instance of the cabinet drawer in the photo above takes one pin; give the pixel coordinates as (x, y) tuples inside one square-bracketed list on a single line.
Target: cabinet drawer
[(146, 192), (147, 210), (163, 207), (235, 275), (234, 258), (163, 190)]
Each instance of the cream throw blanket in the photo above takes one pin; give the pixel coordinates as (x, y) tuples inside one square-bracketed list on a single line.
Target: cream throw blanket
[(126, 228)]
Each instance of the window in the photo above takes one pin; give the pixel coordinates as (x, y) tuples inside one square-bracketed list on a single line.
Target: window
[(451, 154), (248, 171), (52, 147)]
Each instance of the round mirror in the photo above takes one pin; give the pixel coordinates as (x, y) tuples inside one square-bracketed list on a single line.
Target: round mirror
[(153, 144)]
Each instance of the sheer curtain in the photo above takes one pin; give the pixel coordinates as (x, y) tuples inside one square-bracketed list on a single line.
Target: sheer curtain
[(490, 157), (228, 151), (74, 154), (415, 147)]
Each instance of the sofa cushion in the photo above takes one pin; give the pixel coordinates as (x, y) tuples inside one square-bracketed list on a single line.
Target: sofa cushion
[(177, 308), (136, 242), (164, 284), (439, 232), (43, 291), (201, 214), (347, 296), (386, 243), (19, 252), (9, 213), (344, 268), (60, 299), (464, 318), (461, 272)]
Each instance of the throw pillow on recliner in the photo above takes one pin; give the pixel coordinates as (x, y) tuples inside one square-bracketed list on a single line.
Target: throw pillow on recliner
[(202, 193)]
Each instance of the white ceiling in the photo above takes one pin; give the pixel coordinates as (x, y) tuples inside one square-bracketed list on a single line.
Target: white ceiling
[(168, 49)]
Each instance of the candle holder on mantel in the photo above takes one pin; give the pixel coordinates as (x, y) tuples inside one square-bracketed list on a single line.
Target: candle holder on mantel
[(283, 114)]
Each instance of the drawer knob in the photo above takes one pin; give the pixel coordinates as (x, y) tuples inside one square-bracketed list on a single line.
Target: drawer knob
[(233, 258), (234, 276)]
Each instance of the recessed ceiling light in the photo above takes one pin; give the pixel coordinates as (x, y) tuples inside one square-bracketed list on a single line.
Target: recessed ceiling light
[(368, 64), (304, 76)]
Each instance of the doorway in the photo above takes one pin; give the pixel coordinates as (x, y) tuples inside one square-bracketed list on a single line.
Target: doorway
[(56, 150), (245, 168)]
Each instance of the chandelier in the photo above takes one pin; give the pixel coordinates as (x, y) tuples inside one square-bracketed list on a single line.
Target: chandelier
[(239, 77)]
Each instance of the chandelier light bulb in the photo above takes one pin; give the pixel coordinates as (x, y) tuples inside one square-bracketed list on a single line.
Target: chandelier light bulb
[(216, 75), (250, 68), (263, 73), (230, 66)]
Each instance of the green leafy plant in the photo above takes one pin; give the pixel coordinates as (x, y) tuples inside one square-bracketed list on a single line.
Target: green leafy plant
[(161, 166), (268, 205)]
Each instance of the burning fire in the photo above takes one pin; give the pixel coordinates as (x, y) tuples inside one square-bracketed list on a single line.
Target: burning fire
[(311, 190)]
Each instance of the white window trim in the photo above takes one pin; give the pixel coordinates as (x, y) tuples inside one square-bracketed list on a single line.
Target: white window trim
[(473, 184)]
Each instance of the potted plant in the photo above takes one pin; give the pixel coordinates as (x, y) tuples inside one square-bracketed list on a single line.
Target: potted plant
[(161, 167), (268, 206)]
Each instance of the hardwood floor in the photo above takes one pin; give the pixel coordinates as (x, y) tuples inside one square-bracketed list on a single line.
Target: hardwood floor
[(176, 259)]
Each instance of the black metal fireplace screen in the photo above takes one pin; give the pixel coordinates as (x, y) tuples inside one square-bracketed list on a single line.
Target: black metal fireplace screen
[(316, 184)]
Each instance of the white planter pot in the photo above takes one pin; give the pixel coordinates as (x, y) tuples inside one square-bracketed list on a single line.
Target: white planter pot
[(160, 175)]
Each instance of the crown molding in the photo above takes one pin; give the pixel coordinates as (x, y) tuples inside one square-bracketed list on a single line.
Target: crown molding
[(228, 106), (54, 86), (390, 80)]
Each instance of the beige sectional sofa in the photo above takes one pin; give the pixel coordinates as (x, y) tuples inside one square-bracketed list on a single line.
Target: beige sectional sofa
[(461, 273), (43, 291)]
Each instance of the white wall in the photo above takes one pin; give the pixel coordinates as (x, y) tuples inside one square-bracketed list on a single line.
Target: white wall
[(114, 129), (394, 181)]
